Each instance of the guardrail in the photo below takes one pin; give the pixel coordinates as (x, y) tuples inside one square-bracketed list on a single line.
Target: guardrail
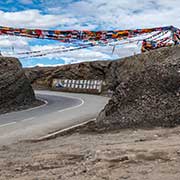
[(70, 85)]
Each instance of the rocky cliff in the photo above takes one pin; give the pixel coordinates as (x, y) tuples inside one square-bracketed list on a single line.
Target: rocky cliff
[(15, 88)]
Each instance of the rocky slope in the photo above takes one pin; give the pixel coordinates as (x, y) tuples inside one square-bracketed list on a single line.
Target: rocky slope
[(146, 91), (15, 89)]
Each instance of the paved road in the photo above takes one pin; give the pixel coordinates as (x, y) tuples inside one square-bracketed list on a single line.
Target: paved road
[(61, 111)]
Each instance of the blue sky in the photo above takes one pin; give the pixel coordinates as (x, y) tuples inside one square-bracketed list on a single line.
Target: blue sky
[(82, 14)]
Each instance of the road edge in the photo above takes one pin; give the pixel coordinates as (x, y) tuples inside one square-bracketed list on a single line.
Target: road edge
[(60, 132)]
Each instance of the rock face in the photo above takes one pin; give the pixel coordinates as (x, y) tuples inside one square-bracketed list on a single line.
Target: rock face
[(146, 91), (15, 88)]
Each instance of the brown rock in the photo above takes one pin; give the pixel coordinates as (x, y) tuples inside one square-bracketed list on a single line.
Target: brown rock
[(15, 88), (145, 91)]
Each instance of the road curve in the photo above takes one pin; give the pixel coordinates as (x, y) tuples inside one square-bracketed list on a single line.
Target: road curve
[(60, 111)]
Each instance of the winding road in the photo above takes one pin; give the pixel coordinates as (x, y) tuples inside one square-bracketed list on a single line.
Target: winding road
[(60, 111)]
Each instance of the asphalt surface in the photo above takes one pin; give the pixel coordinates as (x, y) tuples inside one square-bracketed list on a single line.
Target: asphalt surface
[(60, 111)]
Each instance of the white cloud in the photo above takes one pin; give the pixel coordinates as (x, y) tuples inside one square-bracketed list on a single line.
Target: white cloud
[(17, 43), (92, 14), (34, 19), (45, 47), (84, 55), (125, 13), (74, 56)]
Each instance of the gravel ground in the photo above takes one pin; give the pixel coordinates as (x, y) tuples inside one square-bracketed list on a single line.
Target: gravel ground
[(126, 154)]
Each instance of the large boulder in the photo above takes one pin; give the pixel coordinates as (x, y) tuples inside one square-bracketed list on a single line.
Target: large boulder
[(146, 91), (15, 88)]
